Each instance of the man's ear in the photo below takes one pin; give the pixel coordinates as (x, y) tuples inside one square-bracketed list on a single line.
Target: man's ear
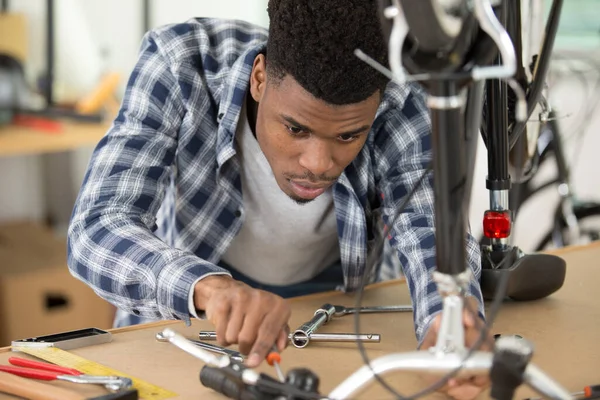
[(258, 78)]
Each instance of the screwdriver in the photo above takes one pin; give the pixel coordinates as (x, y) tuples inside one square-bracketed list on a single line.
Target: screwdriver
[(273, 359), (588, 392)]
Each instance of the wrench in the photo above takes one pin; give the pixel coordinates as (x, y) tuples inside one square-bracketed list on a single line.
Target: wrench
[(314, 337), (304, 333), (340, 311), (234, 355)]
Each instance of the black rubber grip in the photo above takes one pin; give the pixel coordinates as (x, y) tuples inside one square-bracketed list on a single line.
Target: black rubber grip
[(506, 375), (219, 381)]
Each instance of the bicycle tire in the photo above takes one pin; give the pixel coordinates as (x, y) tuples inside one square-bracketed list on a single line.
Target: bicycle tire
[(581, 212), (426, 25)]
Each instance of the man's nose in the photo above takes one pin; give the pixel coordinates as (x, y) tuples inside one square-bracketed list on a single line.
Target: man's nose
[(317, 157)]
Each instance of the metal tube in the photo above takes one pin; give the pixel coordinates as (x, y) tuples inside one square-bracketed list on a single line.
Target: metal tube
[(316, 337), (301, 336), (499, 200), (345, 337), (234, 355), (450, 176), (541, 67), (341, 310)]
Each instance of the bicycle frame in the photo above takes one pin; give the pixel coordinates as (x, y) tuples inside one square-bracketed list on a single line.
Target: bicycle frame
[(500, 134)]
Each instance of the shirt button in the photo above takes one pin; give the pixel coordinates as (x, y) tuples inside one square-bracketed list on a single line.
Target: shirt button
[(238, 213), (136, 312)]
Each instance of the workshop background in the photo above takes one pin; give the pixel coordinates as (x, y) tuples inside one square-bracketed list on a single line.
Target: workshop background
[(96, 44)]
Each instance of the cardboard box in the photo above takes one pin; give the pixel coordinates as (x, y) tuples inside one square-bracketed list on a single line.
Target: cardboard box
[(13, 36), (38, 295)]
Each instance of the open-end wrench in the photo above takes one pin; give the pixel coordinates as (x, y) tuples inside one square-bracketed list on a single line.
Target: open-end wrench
[(234, 355)]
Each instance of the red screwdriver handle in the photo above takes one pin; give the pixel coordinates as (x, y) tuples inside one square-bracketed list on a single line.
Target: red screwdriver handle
[(591, 390)]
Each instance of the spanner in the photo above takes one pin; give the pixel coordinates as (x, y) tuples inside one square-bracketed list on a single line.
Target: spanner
[(340, 311), (302, 336), (315, 337), (234, 355)]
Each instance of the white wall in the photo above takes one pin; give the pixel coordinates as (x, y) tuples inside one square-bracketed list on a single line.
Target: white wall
[(92, 36), (114, 28)]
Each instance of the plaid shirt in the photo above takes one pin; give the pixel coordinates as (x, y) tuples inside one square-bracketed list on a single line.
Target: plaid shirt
[(162, 198)]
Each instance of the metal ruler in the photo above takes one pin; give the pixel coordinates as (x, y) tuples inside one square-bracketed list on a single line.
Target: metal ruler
[(65, 359)]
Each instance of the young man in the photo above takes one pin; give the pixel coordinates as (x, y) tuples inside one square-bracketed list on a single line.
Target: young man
[(242, 170)]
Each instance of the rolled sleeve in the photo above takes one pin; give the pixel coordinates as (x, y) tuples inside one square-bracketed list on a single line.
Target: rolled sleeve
[(111, 242)]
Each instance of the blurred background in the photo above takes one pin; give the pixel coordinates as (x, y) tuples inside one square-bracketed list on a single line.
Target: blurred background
[(65, 63)]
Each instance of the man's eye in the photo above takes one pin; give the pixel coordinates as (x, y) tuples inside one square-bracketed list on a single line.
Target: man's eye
[(294, 130), (347, 138)]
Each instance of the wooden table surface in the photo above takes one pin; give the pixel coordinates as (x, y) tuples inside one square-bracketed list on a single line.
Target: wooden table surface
[(565, 329)]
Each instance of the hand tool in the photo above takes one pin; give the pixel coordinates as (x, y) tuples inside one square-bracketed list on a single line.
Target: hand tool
[(315, 337), (304, 334), (235, 355), (588, 392), (49, 372), (58, 356), (35, 390), (301, 336), (273, 359), (67, 340), (340, 311)]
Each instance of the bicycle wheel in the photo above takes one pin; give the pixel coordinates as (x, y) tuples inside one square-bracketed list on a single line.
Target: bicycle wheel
[(435, 24), (585, 215)]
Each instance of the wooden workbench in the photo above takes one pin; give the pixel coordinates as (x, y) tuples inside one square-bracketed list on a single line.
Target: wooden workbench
[(565, 329)]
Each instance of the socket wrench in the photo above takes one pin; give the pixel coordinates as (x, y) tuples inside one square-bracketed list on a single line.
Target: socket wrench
[(301, 336), (315, 337), (304, 334), (234, 355)]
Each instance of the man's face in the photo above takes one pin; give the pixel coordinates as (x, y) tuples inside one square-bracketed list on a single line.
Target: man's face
[(307, 142)]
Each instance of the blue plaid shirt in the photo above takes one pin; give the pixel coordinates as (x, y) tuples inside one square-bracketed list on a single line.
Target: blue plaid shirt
[(162, 200)]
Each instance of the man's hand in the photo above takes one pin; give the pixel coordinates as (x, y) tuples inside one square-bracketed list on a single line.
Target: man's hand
[(469, 387), (253, 319)]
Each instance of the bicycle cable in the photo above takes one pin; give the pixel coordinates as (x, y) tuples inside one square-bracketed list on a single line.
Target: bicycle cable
[(497, 301)]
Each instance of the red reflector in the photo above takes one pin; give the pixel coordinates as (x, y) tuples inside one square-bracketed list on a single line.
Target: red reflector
[(496, 224)]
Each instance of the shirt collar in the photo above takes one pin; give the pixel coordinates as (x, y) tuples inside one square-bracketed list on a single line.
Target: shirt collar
[(234, 94)]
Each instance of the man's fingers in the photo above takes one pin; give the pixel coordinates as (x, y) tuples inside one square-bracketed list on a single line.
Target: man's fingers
[(236, 321), (283, 339), (465, 391), (473, 336), (482, 380), (268, 333), (220, 318), (249, 332)]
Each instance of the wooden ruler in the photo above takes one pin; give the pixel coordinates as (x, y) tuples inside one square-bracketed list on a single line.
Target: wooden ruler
[(63, 358)]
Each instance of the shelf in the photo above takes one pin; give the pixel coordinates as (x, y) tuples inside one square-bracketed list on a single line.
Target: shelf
[(16, 141)]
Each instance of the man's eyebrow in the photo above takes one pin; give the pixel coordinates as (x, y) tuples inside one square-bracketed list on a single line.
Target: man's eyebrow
[(295, 123), (355, 131), (305, 128)]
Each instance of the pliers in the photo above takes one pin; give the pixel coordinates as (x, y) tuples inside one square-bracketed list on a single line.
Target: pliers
[(49, 372)]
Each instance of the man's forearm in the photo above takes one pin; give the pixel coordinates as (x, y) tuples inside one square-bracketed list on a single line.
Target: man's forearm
[(128, 266)]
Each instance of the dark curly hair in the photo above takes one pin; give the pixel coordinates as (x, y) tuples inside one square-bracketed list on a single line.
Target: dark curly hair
[(314, 41)]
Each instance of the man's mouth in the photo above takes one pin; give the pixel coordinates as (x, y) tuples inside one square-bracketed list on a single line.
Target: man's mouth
[(308, 190)]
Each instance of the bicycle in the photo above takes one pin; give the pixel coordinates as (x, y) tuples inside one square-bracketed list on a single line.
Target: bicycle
[(448, 47), (571, 213)]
